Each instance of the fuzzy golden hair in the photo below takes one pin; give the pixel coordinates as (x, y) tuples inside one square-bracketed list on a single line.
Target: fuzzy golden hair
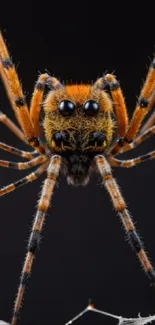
[(78, 94)]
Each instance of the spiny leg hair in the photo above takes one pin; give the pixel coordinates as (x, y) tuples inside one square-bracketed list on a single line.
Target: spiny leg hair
[(141, 110), (25, 154), (131, 162), (23, 165), (121, 209), (43, 204), (28, 178)]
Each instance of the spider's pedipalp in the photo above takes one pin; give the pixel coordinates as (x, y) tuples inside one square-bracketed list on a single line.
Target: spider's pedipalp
[(43, 204), (121, 208)]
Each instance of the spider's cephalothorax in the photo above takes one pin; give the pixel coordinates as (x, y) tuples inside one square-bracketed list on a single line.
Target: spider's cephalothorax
[(78, 126), (79, 138)]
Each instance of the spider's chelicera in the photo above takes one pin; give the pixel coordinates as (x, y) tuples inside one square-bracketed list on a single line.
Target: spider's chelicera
[(85, 127)]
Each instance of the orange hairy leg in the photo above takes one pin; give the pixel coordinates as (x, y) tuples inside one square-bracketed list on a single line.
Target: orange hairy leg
[(25, 154), (43, 204), (139, 139), (13, 87), (21, 182), (121, 209), (131, 162), (23, 165), (11, 125), (142, 108), (37, 99), (151, 119), (109, 81), (8, 89)]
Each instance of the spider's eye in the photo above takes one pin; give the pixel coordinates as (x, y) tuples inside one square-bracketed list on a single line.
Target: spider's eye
[(91, 108), (66, 107)]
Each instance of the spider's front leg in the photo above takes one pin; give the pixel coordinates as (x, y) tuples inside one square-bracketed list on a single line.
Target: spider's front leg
[(142, 108), (121, 208), (43, 204), (109, 82)]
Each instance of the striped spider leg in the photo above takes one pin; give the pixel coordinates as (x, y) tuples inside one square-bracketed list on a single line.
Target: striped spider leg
[(29, 133), (124, 128), (121, 209), (43, 204), (78, 129), (127, 131)]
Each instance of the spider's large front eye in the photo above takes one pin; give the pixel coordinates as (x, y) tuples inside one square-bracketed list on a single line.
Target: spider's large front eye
[(66, 107), (91, 108)]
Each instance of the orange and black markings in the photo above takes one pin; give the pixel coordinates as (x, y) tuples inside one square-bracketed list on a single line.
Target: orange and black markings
[(34, 240), (121, 209)]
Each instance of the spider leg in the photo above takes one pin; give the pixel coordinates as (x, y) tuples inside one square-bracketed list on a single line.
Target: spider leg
[(37, 98), (21, 153), (8, 123), (43, 204), (29, 178), (24, 165), (151, 120), (131, 162), (14, 88), (142, 108), (121, 208), (8, 90), (110, 82), (149, 123), (139, 139)]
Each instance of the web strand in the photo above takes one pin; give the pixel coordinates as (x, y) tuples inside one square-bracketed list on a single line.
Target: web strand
[(121, 320)]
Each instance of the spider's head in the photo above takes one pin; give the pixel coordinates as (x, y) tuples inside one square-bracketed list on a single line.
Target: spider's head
[(78, 125)]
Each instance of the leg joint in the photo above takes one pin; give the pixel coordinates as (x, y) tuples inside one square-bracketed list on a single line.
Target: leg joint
[(24, 278), (34, 241), (135, 241), (7, 63), (143, 102)]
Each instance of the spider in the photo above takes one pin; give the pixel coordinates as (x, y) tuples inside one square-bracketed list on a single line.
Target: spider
[(84, 128)]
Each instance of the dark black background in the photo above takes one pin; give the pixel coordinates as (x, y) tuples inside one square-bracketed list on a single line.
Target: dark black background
[(83, 253)]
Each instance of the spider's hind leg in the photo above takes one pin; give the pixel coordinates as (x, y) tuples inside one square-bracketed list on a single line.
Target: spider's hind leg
[(121, 209)]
